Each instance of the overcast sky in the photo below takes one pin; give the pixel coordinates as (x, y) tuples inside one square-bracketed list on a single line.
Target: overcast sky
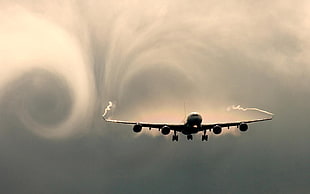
[(62, 62)]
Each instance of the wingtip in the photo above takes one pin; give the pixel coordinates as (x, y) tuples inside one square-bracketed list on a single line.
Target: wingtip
[(107, 119), (270, 118)]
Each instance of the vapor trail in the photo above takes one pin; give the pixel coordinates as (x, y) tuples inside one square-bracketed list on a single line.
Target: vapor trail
[(107, 109), (246, 109)]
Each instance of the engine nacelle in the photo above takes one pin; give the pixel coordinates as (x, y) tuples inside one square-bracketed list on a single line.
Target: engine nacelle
[(165, 130), (137, 128), (243, 127), (217, 129)]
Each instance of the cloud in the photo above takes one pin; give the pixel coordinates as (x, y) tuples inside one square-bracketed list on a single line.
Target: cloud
[(31, 43), (63, 61)]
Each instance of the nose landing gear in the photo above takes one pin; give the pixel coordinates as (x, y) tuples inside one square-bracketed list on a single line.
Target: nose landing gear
[(189, 137)]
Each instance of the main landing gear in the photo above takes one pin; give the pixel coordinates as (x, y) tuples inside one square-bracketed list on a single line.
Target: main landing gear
[(175, 137), (204, 136)]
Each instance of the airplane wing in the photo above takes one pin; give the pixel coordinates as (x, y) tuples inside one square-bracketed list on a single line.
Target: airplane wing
[(180, 126), (231, 124), (172, 126)]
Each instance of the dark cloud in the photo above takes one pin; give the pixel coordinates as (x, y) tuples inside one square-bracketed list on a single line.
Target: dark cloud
[(62, 63)]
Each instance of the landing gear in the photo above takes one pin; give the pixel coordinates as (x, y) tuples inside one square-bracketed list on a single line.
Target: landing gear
[(189, 137), (204, 136), (175, 137)]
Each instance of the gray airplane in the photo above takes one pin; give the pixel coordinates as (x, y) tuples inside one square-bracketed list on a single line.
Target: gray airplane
[(192, 125)]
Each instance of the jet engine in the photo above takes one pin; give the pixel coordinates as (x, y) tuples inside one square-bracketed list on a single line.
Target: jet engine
[(217, 129), (165, 130), (243, 127), (137, 128)]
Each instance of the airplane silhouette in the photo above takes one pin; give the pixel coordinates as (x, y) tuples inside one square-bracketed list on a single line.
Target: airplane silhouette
[(192, 125)]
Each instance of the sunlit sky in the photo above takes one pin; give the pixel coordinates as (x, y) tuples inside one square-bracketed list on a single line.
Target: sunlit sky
[(62, 62)]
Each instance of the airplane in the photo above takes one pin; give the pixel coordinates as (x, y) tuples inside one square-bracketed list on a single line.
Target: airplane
[(192, 125)]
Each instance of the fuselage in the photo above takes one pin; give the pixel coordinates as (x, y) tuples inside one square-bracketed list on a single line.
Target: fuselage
[(192, 124)]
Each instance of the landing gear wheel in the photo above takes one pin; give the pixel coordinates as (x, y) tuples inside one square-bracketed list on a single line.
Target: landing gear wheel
[(189, 137), (175, 138), (204, 138)]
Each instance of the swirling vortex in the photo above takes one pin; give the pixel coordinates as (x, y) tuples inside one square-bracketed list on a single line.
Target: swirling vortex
[(30, 42)]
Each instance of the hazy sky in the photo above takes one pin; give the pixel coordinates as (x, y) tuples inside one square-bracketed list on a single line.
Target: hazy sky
[(63, 61)]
